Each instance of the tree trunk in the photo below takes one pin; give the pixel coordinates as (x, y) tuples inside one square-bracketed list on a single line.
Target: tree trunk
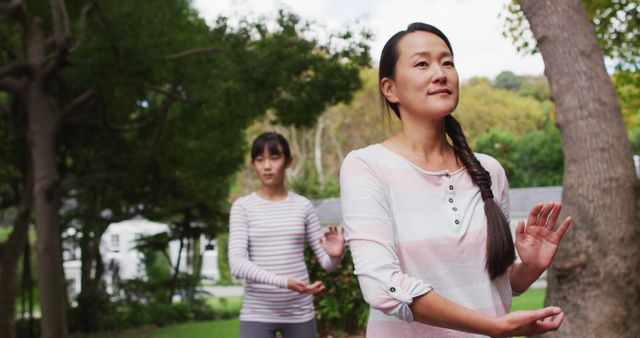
[(317, 151), (295, 147), (595, 276), (27, 289), (197, 268), (42, 130), (90, 300), (9, 257), (176, 270)]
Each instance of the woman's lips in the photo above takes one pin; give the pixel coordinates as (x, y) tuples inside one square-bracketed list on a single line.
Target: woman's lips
[(440, 91)]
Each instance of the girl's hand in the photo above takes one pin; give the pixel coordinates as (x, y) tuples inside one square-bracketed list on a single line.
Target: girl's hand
[(296, 285), (537, 243), (530, 322), (314, 288), (333, 241), (302, 287)]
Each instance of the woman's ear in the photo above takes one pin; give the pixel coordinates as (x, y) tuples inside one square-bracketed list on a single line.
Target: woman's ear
[(290, 162), (388, 88)]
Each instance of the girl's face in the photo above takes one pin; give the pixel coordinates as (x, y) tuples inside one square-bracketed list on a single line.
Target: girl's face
[(426, 81), (270, 168)]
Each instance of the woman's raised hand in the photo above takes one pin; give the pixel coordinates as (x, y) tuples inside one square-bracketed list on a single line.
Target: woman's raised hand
[(529, 322), (302, 287), (537, 242), (333, 241)]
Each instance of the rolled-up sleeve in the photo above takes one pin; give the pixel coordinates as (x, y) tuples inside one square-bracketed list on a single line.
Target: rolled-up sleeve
[(369, 230)]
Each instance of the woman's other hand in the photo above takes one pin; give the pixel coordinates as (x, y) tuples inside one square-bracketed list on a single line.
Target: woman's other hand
[(538, 241), (529, 322)]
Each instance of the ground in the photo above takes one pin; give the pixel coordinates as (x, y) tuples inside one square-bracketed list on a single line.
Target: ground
[(228, 328)]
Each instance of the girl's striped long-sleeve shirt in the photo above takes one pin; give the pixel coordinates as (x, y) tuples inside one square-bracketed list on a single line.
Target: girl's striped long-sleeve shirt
[(266, 247), (411, 231)]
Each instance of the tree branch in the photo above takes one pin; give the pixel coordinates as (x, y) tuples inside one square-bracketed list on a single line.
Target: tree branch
[(156, 135), (189, 52), (61, 30), (10, 8), (105, 22), (77, 102), (15, 67), (17, 9), (83, 181), (11, 85), (138, 124), (84, 12), (170, 95)]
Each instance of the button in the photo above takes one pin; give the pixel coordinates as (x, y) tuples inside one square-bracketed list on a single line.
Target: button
[(451, 200), (457, 222), (392, 289), (450, 187), (455, 209), (447, 175)]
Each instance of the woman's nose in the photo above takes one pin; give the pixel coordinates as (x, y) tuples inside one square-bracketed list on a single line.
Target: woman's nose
[(438, 74)]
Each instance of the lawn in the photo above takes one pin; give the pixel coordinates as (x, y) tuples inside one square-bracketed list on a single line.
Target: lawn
[(532, 299), (226, 304), (223, 328)]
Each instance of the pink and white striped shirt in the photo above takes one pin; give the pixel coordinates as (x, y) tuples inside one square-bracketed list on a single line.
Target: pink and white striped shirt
[(266, 246), (411, 231)]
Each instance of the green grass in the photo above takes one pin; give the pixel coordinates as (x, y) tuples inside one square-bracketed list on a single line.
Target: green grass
[(226, 307), (530, 300), (208, 329), (225, 304)]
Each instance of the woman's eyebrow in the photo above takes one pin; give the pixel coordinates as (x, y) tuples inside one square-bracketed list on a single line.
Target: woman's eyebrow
[(428, 53)]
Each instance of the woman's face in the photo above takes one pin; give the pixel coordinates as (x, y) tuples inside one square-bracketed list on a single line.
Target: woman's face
[(270, 168), (426, 81)]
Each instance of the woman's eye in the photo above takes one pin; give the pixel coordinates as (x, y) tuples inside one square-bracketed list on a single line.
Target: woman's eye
[(448, 63), (275, 158), (422, 64)]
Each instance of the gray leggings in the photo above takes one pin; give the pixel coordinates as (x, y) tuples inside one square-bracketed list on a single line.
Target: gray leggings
[(287, 330)]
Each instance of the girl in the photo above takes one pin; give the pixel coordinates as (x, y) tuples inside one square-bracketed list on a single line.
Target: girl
[(427, 220), (266, 248)]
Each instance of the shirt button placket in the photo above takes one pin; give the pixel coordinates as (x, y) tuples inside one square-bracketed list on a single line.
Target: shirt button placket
[(451, 191)]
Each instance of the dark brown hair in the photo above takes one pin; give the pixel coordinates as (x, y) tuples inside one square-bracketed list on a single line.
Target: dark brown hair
[(275, 144), (500, 248)]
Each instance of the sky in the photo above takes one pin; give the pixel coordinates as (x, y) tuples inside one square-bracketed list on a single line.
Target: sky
[(472, 26)]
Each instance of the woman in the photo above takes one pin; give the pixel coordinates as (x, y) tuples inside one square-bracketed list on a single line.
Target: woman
[(427, 221), (266, 248)]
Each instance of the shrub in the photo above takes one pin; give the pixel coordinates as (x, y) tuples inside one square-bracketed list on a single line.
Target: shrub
[(223, 259), (341, 307)]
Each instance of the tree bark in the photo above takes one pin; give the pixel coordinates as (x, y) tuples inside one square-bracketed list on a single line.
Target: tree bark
[(317, 151), (176, 270), (295, 145), (42, 126), (90, 300), (27, 289), (594, 277), (9, 257), (42, 130)]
